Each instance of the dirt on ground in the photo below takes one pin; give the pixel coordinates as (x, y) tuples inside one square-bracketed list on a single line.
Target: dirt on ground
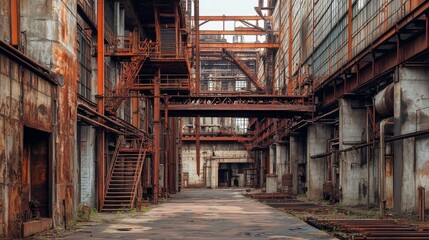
[(332, 217)]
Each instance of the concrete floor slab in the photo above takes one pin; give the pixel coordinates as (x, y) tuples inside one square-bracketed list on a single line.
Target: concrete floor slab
[(205, 214)]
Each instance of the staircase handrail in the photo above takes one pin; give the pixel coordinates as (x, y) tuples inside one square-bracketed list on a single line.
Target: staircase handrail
[(112, 164), (139, 167)]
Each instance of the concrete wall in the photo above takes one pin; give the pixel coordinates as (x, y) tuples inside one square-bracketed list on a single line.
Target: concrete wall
[(352, 163), (282, 157), (88, 163), (213, 169), (25, 99), (5, 20), (317, 138), (228, 150), (297, 152), (411, 155), (50, 26)]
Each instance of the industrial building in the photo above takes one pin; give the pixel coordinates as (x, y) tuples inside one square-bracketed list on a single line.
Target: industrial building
[(112, 103)]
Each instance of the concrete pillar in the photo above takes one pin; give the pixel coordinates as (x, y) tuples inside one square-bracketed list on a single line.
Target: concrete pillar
[(272, 159), (271, 183), (352, 127), (296, 156), (317, 138), (411, 156), (281, 158), (208, 173), (214, 174)]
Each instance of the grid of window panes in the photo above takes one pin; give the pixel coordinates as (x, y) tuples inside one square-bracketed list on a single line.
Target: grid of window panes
[(240, 85), (84, 59), (241, 125)]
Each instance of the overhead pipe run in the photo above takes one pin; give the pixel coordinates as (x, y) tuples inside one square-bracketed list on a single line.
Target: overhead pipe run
[(382, 164), (384, 101)]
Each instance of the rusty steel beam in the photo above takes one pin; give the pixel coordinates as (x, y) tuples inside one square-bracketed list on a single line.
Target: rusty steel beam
[(241, 110), (172, 155), (101, 166), (166, 152), (156, 135), (216, 139), (14, 22), (236, 45), (233, 32), (229, 18), (244, 69), (95, 123)]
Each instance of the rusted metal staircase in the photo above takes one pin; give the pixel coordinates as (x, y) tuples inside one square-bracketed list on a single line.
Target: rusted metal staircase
[(230, 56), (245, 141), (125, 173), (130, 71)]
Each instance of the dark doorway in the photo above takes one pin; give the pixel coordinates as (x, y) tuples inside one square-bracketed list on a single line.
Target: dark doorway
[(224, 178), (36, 162), (235, 182)]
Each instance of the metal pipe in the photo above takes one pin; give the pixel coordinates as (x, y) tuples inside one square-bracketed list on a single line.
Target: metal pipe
[(383, 101), (382, 167), (89, 120), (86, 108), (28, 62), (14, 22), (324, 115), (388, 139)]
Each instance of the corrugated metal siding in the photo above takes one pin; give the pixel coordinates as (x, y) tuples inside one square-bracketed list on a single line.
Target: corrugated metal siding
[(330, 36), (280, 25), (372, 18), (320, 33)]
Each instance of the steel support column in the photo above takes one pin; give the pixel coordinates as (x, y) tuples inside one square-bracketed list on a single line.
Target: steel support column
[(197, 78), (197, 46), (101, 166), (156, 135), (172, 155), (166, 151), (197, 144)]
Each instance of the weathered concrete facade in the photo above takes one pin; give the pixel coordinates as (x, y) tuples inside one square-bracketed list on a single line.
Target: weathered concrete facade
[(27, 102), (317, 137), (214, 154), (48, 37), (352, 131), (411, 154), (297, 150)]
